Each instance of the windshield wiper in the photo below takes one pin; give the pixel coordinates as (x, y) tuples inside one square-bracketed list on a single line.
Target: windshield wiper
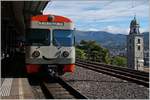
[(57, 43)]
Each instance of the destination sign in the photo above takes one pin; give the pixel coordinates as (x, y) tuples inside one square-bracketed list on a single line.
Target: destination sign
[(51, 23)]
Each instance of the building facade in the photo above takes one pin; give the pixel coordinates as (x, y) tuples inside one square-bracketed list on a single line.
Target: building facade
[(135, 47), (147, 50), (146, 58)]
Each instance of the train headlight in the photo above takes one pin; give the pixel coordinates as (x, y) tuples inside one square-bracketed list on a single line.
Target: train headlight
[(50, 18), (36, 54), (65, 54)]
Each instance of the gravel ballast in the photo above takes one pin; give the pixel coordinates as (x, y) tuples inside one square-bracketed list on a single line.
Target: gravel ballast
[(95, 85)]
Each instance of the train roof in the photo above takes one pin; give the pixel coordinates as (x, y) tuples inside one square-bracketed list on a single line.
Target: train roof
[(51, 18)]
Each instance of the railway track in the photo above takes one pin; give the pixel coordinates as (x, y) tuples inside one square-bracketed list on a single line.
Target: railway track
[(138, 77), (59, 89)]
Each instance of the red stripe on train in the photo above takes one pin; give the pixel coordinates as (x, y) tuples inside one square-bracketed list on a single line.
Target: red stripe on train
[(44, 18)]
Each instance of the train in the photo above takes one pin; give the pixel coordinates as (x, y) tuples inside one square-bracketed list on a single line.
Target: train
[(50, 45)]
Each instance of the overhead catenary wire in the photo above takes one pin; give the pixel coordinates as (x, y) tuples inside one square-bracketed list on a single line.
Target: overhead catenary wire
[(131, 8)]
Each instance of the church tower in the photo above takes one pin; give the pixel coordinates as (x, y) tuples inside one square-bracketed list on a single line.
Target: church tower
[(135, 47)]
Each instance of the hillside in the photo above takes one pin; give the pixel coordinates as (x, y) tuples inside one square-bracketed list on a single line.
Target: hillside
[(106, 39)]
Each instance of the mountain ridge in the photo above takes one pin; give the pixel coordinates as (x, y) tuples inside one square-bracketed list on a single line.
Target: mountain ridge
[(107, 39)]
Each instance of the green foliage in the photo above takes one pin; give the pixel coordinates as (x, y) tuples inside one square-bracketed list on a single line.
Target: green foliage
[(80, 53), (105, 56), (119, 61), (92, 51)]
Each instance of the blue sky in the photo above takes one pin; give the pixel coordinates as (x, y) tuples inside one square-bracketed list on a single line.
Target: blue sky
[(102, 15)]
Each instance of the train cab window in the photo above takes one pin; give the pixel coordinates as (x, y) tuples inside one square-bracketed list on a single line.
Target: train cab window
[(63, 37), (38, 37)]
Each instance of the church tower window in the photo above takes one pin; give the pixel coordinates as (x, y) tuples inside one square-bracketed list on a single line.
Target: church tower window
[(138, 41), (139, 48)]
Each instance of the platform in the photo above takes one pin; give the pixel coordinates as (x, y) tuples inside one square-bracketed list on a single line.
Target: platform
[(15, 88)]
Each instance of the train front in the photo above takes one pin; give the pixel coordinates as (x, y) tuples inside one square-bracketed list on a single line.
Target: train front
[(50, 45)]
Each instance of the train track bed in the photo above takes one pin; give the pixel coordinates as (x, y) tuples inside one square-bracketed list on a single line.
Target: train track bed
[(35, 84), (53, 88), (101, 86), (57, 88), (138, 77)]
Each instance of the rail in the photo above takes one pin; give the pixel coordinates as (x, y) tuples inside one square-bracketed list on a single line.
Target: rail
[(59, 89), (138, 77)]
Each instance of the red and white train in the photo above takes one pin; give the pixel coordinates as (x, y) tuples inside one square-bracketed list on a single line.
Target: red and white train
[(50, 45)]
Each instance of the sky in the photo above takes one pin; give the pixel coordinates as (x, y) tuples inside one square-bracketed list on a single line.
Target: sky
[(102, 15)]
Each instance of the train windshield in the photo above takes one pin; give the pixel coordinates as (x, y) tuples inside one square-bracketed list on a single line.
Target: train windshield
[(63, 37), (38, 37)]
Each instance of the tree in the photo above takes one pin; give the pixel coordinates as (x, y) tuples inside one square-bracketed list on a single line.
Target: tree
[(80, 53), (106, 56), (120, 61), (94, 51)]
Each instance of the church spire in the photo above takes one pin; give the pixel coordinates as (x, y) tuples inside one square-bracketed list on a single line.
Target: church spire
[(134, 26), (135, 46)]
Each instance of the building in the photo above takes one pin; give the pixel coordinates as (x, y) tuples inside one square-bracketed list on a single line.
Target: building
[(135, 47), (146, 58), (147, 50)]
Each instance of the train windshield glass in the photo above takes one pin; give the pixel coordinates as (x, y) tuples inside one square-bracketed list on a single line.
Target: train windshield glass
[(38, 37), (63, 37)]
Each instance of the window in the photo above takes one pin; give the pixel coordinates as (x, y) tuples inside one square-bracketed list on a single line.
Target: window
[(63, 37), (139, 48), (38, 37), (138, 41)]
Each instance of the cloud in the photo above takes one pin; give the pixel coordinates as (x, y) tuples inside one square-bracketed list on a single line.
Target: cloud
[(96, 9), (116, 30), (92, 14), (143, 30), (93, 29), (120, 30)]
